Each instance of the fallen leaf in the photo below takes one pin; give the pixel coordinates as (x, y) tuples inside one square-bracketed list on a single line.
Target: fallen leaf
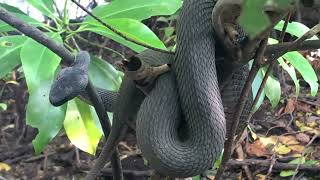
[(4, 167), (266, 141), (303, 137), (316, 153), (261, 177), (253, 135), (291, 106), (258, 149), (305, 128), (299, 124), (286, 173), (312, 124), (280, 112), (210, 177), (296, 155), (299, 160), (288, 140), (297, 148), (303, 107), (282, 149)]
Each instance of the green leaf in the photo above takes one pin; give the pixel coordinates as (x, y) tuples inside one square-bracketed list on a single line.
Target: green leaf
[(43, 116), (252, 18), (80, 126), (39, 65), (104, 75), (11, 8), (168, 31), (3, 106), (272, 89), (38, 62), (287, 173), (304, 68), (10, 53), (196, 178), (129, 27), (311, 162), (218, 161), (44, 6), (294, 28), (255, 87), (137, 9), (4, 27), (292, 73), (290, 69), (300, 160)]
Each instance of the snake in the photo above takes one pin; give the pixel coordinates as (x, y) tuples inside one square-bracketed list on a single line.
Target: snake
[(181, 123)]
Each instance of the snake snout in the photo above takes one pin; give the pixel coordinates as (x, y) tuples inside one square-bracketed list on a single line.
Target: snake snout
[(71, 81), (69, 84)]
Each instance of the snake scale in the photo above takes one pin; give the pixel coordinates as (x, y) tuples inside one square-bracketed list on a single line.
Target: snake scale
[(181, 123)]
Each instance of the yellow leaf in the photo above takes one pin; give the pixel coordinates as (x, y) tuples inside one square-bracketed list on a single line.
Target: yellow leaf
[(4, 167), (312, 124), (299, 124), (296, 155), (268, 140), (305, 128), (297, 148), (318, 111), (12, 82), (254, 135), (261, 177), (288, 140), (282, 149)]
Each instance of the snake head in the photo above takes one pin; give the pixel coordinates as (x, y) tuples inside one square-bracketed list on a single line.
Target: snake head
[(71, 81)]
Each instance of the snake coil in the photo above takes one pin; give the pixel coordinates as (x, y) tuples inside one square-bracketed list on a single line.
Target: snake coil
[(181, 124)]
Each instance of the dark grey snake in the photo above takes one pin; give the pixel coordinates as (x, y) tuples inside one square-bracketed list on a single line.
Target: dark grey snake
[(181, 123)]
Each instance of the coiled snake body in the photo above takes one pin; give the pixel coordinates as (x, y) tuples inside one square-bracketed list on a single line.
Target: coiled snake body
[(192, 94), (181, 124)]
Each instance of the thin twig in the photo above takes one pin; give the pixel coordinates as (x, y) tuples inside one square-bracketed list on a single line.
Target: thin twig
[(273, 161), (240, 105), (102, 47), (105, 154), (241, 156), (118, 32), (304, 151), (68, 58), (277, 165), (284, 28), (108, 171)]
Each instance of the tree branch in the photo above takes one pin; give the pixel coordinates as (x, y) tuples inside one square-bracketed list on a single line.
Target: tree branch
[(277, 165), (68, 58), (240, 105), (305, 45), (108, 171)]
